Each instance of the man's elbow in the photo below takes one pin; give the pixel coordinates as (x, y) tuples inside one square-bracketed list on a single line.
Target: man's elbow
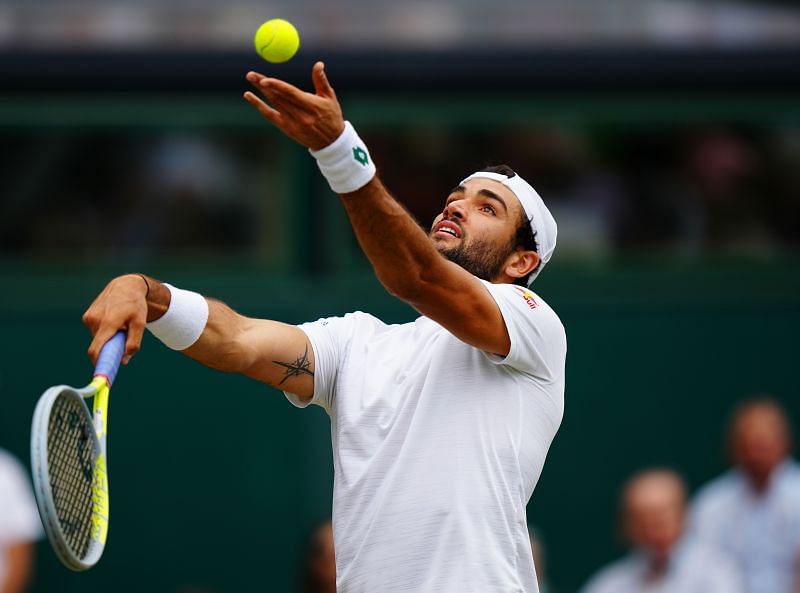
[(412, 282), (406, 287)]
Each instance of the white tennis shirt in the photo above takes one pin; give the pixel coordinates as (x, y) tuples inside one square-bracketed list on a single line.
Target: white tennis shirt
[(437, 447)]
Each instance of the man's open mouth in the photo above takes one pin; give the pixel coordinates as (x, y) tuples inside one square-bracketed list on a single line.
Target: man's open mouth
[(448, 228)]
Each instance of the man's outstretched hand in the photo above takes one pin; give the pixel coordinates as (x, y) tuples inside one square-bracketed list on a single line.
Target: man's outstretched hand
[(312, 119)]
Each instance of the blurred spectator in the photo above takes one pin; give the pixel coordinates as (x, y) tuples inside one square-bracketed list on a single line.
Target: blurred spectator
[(20, 526), (319, 566), (724, 181), (537, 549), (752, 512), (664, 560), (190, 181)]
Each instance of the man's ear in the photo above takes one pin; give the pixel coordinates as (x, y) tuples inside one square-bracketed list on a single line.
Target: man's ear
[(521, 263)]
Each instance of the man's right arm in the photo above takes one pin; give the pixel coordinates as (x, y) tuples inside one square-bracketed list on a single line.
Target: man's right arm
[(269, 351)]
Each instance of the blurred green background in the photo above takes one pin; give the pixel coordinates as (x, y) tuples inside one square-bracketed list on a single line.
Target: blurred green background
[(216, 480)]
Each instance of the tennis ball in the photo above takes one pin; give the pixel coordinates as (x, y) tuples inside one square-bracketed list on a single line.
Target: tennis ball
[(277, 41)]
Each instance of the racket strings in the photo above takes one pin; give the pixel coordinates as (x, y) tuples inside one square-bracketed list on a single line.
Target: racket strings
[(71, 455)]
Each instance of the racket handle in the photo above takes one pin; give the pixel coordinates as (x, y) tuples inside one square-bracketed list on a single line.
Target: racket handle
[(111, 356)]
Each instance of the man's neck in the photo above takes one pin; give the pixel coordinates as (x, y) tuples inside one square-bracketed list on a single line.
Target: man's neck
[(760, 483), (657, 566)]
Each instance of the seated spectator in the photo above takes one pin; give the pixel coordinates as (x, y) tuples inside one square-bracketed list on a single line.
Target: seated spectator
[(752, 512), (20, 526), (538, 552), (319, 565), (664, 560)]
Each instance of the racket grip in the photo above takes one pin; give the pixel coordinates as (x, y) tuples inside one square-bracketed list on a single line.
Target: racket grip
[(111, 356)]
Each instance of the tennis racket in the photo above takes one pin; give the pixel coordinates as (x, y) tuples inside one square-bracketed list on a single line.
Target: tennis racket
[(68, 459)]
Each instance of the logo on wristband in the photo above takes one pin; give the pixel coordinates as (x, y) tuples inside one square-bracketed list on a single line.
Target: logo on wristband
[(360, 155)]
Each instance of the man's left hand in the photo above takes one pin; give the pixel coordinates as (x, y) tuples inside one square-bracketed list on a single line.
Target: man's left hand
[(312, 119)]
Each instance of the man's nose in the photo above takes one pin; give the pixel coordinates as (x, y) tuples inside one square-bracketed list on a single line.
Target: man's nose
[(454, 209)]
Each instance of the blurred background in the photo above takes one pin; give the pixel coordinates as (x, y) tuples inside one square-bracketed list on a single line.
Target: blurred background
[(664, 134)]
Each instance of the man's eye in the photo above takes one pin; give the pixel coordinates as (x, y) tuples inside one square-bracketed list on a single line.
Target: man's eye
[(488, 208)]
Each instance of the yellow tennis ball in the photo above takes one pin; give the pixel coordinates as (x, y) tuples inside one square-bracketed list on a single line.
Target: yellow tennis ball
[(277, 41)]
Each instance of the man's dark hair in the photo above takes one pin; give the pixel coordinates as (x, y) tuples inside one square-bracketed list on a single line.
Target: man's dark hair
[(501, 169), (524, 237)]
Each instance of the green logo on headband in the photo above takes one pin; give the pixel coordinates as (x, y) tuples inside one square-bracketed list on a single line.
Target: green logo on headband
[(360, 155)]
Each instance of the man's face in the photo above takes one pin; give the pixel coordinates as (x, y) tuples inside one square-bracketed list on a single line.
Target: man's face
[(654, 513), (477, 227), (760, 441)]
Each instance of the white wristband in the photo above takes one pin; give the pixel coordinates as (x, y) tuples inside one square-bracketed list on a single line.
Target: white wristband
[(184, 321), (345, 163)]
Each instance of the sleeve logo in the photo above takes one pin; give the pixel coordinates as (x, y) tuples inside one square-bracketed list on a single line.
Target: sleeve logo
[(527, 295)]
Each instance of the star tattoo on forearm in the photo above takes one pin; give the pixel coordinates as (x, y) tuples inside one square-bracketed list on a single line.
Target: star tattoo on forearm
[(300, 366)]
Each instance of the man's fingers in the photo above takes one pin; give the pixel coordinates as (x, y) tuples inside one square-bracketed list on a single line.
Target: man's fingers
[(321, 84), (279, 89), (257, 80), (254, 78), (134, 341), (102, 336), (89, 319), (273, 115)]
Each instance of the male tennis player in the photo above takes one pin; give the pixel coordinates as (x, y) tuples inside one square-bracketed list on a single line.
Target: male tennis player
[(440, 427)]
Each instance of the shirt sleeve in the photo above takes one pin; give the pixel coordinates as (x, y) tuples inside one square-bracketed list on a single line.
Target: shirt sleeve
[(19, 519), (538, 340), (329, 339)]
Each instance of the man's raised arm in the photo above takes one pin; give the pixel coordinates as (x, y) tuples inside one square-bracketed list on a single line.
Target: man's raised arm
[(268, 351), (404, 258)]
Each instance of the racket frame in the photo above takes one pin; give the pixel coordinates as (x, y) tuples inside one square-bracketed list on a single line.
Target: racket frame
[(41, 471), (104, 374)]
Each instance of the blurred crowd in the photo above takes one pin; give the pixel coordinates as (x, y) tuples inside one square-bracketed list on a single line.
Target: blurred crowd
[(122, 23), (740, 532), (684, 190)]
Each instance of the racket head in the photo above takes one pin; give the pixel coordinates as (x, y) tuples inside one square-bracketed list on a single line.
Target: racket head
[(69, 476)]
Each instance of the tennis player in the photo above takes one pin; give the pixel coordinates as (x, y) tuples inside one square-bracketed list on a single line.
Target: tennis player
[(440, 427)]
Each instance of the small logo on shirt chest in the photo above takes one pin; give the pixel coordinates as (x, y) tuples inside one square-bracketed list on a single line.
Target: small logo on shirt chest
[(527, 295)]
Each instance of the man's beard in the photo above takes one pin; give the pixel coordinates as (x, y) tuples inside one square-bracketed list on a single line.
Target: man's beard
[(479, 258)]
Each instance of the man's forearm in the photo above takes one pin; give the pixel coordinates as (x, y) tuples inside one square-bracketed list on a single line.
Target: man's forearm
[(216, 345), (399, 250), (265, 350)]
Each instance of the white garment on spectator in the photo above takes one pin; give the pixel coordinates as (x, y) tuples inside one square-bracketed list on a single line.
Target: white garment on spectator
[(19, 519), (761, 533), (693, 568)]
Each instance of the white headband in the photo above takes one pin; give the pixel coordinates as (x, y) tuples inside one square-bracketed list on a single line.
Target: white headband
[(542, 222)]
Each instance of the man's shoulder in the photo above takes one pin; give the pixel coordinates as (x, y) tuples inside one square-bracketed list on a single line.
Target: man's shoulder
[(792, 471), (715, 494), (613, 577), (526, 301), (788, 482), (704, 557), (354, 318)]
